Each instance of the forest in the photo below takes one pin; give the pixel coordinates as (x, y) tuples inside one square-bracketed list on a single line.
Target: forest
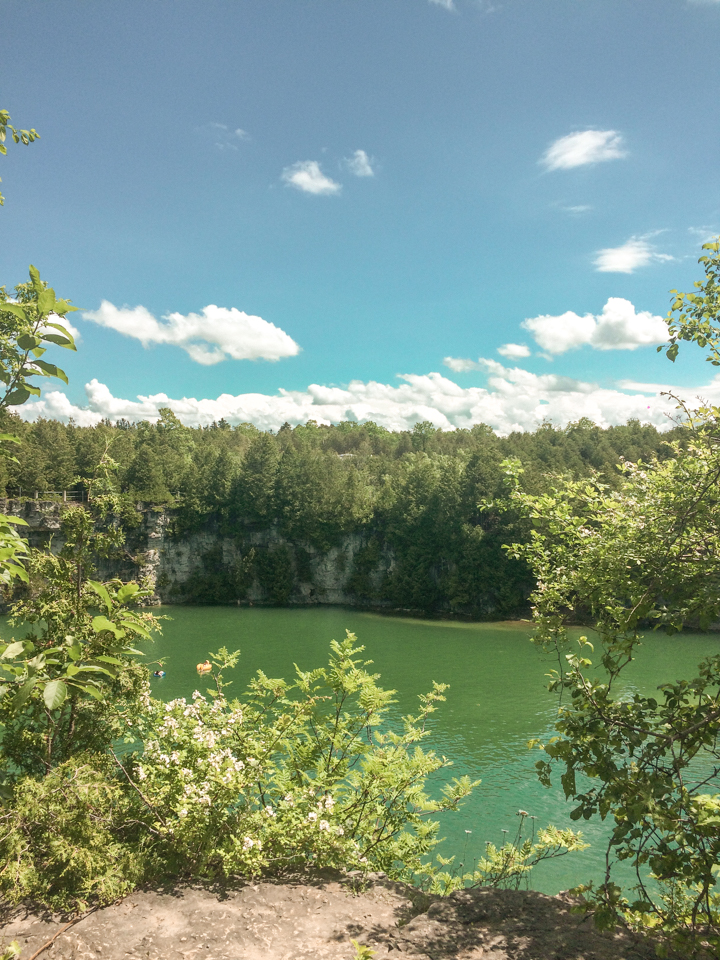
[(415, 495)]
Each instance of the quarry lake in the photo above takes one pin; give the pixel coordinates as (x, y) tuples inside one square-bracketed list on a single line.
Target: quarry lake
[(496, 701)]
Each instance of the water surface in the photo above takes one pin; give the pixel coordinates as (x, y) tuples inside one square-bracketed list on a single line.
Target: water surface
[(496, 702)]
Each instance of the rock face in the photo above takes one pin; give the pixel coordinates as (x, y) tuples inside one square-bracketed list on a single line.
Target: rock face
[(205, 565), (267, 921)]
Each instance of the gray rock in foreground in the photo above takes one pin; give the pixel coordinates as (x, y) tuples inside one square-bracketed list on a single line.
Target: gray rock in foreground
[(272, 921)]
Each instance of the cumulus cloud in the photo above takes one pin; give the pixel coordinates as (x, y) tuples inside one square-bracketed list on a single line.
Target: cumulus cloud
[(618, 327), (209, 337), (307, 176), (514, 351), (447, 4), (460, 364), (637, 252), (514, 399), (360, 164), (581, 148)]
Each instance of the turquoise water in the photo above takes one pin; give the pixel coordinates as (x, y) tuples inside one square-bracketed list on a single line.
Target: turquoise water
[(497, 700)]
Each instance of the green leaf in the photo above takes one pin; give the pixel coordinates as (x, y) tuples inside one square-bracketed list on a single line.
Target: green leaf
[(106, 659), (46, 301), (12, 650), (50, 370), (16, 397), (127, 591), (54, 694), (60, 341), (36, 281), (27, 341), (100, 624), (101, 590), (15, 309), (62, 307), (24, 692)]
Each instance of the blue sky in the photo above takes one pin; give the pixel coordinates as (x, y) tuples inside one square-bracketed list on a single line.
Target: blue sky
[(375, 195)]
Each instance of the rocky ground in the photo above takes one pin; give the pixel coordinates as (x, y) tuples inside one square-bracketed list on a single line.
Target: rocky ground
[(271, 921)]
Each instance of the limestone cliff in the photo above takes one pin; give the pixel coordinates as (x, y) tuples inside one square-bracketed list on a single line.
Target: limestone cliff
[(242, 565)]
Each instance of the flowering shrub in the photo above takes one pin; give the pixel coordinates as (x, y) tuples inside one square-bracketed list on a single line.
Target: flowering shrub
[(293, 776)]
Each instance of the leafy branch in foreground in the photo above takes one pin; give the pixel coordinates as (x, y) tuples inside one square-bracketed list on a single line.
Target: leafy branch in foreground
[(626, 561), (695, 317), (25, 325), (18, 136)]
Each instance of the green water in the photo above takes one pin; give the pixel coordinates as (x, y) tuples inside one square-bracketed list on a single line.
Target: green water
[(497, 700)]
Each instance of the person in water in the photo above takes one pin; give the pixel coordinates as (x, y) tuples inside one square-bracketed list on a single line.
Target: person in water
[(204, 667), (159, 673)]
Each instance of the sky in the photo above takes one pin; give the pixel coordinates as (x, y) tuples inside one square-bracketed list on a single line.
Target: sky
[(459, 211)]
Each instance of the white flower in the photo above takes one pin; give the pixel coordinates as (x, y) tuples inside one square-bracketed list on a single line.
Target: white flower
[(183, 812), (141, 775), (269, 811), (329, 802), (339, 831), (324, 825), (312, 815), (288, 798)]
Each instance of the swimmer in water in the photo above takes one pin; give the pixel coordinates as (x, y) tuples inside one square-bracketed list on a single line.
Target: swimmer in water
[(159, 673), (204, 667)]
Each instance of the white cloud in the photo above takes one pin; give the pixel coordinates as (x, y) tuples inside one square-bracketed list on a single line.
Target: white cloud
[(514, 351), (214, 335), (307, 176), (637, 252), (224, 137), (447, 4), (460, 365), (514, 399), (360, 164), (618, 327), (578, 208), (584, 147)]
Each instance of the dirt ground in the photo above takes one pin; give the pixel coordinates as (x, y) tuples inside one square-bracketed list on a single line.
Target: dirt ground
[(272, 921)]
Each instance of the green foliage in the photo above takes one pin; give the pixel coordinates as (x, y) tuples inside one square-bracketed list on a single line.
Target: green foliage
[(290, 776), (507, 866), (77, 648), (274, 572), (25, 325), (626, 561), (18, 136), (695, 317), (362, 952)]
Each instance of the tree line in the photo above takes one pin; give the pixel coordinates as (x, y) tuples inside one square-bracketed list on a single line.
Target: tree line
[(415, 494)]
